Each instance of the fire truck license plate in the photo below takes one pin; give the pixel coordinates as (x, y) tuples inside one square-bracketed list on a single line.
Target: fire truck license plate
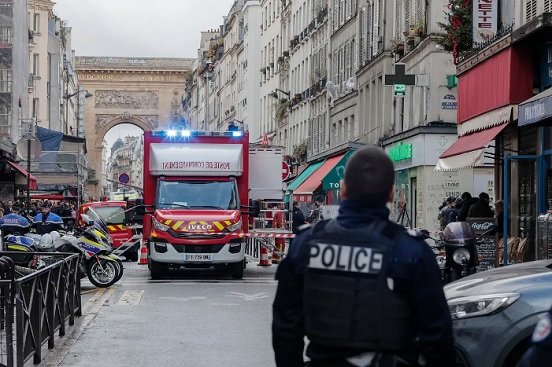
[(198, 257)]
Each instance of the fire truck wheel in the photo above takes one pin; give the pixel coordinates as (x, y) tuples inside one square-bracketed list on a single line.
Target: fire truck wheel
[(156, 269), (237, 270), (133, 256)]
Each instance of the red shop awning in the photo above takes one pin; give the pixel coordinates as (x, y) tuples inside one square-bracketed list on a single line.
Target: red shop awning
[(488, 91), (315, 180), (23, 171), (468, 150)]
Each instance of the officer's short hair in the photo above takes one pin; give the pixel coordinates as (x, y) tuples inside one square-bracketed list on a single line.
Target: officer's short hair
[(369, 176)]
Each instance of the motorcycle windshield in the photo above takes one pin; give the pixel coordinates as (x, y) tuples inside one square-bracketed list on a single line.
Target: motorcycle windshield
[(92, 234)]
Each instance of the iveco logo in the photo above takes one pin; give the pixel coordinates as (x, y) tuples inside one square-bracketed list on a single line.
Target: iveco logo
[(203, 227)]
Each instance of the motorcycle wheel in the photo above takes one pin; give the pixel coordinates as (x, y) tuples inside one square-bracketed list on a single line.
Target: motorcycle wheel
[(102, 273), (120, 270)]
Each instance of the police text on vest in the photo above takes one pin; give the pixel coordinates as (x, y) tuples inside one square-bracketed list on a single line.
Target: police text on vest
[(345, 258)]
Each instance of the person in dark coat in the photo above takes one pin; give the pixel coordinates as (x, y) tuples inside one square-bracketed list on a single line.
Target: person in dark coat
[(347, 307), (468, 201), (298, 218), (481, 208), (452, 214)]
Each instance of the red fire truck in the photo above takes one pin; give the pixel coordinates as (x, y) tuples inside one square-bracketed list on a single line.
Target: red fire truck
[(197, 198)]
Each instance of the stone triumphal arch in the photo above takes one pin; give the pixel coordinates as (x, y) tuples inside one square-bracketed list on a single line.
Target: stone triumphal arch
[(145, 92)]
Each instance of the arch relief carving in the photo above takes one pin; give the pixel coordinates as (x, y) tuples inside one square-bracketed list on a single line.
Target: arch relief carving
[(117, 99)]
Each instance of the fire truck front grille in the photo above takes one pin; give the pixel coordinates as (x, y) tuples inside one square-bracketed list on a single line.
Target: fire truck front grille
[(198, 249), (194, 236)]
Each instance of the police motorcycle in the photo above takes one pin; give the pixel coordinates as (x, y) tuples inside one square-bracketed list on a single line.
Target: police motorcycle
[(24, 245), (97, 262)]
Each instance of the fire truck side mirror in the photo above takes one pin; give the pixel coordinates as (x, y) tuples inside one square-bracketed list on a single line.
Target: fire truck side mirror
[(140, 208)]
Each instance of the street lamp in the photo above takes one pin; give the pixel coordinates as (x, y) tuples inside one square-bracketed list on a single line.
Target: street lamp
[(274, 93)]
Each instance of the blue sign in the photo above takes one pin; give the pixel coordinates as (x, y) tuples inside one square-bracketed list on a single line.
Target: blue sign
[(449, 102), (535, 111), (124, 178)]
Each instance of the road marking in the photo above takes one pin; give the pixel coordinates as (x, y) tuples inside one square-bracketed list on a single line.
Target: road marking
[(184, 299), (248, 297), (141, 284), (131, 298)]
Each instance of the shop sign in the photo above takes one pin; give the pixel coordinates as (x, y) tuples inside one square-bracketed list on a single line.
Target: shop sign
[(532, 112), (485, 13), (449, 102), (332, 181), (401, 152)]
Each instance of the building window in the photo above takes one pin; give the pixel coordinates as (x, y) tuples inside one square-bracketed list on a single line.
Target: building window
[(5, 80), (36, 22), (35, 64), (6, 35)]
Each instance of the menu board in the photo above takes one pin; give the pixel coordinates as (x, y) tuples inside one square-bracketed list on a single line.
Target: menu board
[(486, 246)]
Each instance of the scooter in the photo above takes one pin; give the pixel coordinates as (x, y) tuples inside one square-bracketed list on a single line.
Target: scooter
[(102, 268)]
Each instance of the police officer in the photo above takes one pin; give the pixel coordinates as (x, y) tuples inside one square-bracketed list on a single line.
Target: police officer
[(14, 223), (540, 353), (46, 221), (362, 289)]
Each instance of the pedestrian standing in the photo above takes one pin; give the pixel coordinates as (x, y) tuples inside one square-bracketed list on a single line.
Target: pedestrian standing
[(481, 208), (298, 218), (358, 286), (278, 221)]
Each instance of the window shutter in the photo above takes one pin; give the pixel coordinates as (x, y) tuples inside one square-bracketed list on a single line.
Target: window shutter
[(375, 27)]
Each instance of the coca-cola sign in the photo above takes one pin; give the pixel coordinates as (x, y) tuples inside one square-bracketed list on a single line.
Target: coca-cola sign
[(480, 225)]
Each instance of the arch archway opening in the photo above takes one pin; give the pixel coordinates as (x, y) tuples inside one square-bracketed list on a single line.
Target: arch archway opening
[(122, 161)]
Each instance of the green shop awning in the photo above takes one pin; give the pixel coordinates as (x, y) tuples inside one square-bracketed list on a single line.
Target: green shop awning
[(333, 178), (303, 176)]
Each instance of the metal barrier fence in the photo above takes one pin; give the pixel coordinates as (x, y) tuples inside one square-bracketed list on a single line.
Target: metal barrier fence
[(35, 306)]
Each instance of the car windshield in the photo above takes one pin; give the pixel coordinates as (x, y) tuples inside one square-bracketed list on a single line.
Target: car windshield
[(197, 195), (111, 214)]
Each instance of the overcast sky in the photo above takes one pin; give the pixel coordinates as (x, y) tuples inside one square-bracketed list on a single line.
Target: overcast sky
[(139, 28), (134, 28)]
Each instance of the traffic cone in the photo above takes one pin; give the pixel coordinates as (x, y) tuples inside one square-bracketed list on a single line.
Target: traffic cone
[(263, 261), (143, 255)]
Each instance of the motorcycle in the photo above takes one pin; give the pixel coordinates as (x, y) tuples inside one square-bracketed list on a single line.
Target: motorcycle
[(102, 268)]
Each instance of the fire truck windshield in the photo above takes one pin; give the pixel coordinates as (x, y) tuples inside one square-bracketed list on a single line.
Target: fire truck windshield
[(218, 195)]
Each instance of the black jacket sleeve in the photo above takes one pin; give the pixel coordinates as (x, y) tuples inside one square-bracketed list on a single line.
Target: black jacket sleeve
[(434, 324), (287, 317)]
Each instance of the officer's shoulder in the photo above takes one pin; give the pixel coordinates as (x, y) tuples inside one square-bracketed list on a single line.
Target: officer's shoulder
[(303, 228)]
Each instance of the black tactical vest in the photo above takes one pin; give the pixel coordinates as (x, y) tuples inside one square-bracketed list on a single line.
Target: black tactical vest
[(347, 298)]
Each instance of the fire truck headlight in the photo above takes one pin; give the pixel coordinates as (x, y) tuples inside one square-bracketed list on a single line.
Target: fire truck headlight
[(235, 227), (160, 226)]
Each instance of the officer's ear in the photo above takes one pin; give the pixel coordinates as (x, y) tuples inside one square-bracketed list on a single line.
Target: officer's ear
[(343, 190), (391, 195)]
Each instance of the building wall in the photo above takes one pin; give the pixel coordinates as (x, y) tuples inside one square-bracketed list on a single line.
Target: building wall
[(270, 50), (39, 13), (15, 64), (248, 69)]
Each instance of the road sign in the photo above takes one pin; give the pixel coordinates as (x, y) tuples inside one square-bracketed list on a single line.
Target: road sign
[(124, 178), (285, 171)]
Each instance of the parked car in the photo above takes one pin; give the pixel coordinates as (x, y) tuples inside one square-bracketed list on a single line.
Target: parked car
[(494, 312)]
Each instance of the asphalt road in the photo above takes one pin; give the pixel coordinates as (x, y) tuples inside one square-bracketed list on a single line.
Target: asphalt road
[(189, 319)]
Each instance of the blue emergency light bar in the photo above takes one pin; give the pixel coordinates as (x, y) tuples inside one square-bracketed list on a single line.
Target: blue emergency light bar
[(172, 133)]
